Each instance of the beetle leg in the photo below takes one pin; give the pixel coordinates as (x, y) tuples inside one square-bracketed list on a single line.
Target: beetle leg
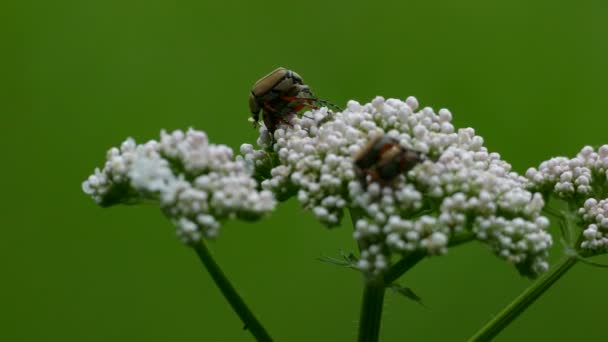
[(308, 101), (329, 104), (301, 106), (303, 102), (309, 105), (296, 98), (269, 123)]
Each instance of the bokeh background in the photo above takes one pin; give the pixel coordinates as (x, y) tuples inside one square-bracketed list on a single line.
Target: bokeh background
[(78, 77)]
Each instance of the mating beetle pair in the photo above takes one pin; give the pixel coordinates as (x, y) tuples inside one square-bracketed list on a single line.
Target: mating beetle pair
[(383, 159), (279, 94)]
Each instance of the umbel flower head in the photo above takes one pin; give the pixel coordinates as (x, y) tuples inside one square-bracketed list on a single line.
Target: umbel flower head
[(197, 184), (459, 189), (583, 181)]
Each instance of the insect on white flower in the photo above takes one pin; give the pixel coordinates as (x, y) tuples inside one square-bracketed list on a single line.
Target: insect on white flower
[(457, 187)]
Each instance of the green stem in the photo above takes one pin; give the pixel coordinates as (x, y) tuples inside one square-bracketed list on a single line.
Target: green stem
[(403, 265), (237, 303), (410, 260), (461, 238), (521, 303), (371, 311), (373, 299)]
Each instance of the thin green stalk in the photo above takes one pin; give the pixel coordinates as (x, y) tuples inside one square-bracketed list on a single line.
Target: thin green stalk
[(373, 299), (371, 311), (521, 303), (403, 265), (461, 238), (410, 260), (237, 303)]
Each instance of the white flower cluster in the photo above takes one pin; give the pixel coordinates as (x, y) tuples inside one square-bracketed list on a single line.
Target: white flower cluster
[(197, 184), (595, 214), (580, 180), (459, 188), (567, 178)]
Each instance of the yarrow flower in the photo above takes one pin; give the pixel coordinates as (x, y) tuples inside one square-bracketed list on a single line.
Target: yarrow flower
[(197, 184), (583, 181), (460, 188)]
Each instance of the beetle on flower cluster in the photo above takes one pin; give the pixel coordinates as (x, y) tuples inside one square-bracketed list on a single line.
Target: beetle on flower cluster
[(412, 184), (383, 159), (461, 188), (278, 95)]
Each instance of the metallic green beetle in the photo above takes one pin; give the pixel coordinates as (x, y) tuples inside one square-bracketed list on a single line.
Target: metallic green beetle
[(383, 159), (278, 94)]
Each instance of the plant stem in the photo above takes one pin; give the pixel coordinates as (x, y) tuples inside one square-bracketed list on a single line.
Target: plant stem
[(521, 303), (373, 299), (371, 311), (237, 303), (410, 260), (403, 265)]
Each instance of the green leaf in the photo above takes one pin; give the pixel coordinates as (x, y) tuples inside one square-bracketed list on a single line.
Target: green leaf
[(348, 260), (406, 292)]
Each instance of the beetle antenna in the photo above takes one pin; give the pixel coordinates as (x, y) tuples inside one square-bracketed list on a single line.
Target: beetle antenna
[(329, 103), (316, 99)]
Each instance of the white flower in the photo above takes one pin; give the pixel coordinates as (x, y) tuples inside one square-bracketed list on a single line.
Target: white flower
[(196, 183), (595, 214), (567, 178), (580, 181), (460, 187)]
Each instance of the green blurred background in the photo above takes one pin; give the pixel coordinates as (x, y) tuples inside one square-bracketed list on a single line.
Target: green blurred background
[(80, 76)]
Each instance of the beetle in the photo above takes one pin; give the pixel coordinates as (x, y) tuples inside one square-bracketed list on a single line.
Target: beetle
[(383, 159), (279, 94)]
